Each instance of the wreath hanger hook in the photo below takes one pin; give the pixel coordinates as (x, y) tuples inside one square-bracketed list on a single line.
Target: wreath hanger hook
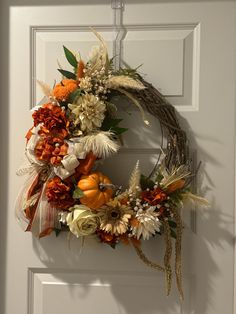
[(118, 9)]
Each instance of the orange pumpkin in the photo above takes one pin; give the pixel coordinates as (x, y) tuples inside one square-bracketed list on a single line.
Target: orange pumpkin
[(96, 193)]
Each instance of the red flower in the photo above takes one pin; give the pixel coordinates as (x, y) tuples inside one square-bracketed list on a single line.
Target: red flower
[(107, 237), (59, 193), (53, 119), (154, 197), (51, 149)]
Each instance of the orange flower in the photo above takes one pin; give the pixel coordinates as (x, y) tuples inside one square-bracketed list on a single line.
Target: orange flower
[(63, 90), (51, 149), (59, 193), (80, 70), (154, 197), (53, 119)]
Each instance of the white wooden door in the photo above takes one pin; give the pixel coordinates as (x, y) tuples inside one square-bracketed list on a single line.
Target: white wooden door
[(187, 49)]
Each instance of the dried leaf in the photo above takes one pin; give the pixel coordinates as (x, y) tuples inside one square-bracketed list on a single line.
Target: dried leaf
[(176, 174)]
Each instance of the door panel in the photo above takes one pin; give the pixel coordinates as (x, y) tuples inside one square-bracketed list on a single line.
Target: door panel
[(188, 52)]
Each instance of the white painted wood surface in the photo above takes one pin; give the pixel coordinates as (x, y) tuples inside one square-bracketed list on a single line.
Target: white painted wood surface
[(188, 51)]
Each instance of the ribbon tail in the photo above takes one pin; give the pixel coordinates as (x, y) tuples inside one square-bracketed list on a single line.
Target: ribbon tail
[(44, 221), (27, 200)]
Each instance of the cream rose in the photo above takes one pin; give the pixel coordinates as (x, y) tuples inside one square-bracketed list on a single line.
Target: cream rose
[(82, 221)]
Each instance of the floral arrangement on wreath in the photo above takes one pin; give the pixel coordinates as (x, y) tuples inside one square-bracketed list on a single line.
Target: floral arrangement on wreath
[(77, 126)]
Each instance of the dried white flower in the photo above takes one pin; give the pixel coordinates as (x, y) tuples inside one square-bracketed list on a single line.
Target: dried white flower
[(85, 83), (89, 112), (148, 223)]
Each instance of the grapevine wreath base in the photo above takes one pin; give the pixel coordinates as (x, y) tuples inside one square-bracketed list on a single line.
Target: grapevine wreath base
[(78, 125)]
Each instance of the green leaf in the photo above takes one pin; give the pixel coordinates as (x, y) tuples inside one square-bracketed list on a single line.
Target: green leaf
[(57, 231), (112, 245), (110, 124), (67, 74), (172, 224), (159, 177), (172, 233), (78, 193), (118, 130), (70, 57), (146, 183), (74, 95)]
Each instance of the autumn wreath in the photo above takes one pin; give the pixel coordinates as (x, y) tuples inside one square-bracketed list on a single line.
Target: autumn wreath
[(78, 125)]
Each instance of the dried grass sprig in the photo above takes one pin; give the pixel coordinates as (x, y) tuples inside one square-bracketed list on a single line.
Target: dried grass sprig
[(195, 199), (178, 258), (134, 181), (100, 59), (135, 101), (144, 258), (124, 81), (167, 257), (46, 89)]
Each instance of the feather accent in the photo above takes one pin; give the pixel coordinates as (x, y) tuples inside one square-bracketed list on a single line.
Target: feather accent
[(175, 175), (135, 101), (46, 89), (124, 81), (134, 181), (198, 200), (100, 144)]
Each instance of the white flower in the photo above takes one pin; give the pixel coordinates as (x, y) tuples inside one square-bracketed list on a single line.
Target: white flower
[(89, 112), (85, 83), (148, 223), (82, 221)]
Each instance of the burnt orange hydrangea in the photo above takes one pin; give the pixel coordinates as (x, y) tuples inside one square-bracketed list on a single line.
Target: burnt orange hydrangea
[(63, 90), (59, 193), (53, 119), (51, 149)]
